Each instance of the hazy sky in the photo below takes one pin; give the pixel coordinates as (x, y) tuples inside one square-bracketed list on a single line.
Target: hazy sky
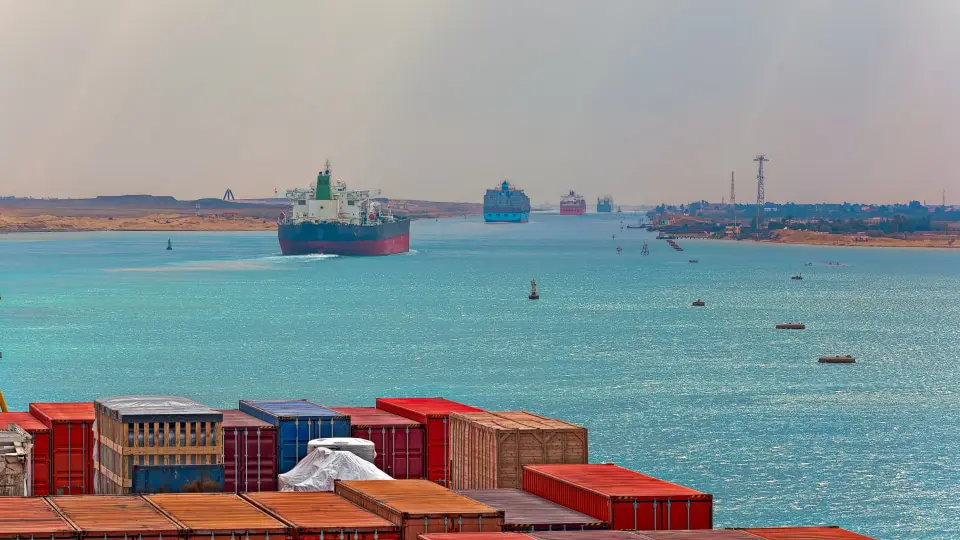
[(649, 101)]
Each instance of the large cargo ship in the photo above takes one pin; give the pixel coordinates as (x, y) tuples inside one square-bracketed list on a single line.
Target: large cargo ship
[(506, 204), (327, 218), (573, 205), (605, 204)]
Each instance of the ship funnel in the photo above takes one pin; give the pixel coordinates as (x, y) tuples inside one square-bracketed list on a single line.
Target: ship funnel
[(323, 184)]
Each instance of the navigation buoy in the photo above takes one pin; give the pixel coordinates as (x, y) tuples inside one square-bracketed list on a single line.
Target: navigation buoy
[(533, 290), (169, 245)]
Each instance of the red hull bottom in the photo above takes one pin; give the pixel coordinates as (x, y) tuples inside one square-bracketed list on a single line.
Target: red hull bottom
[(388, 246), (572, 212)]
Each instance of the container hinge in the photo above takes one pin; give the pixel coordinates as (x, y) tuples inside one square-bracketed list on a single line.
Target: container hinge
[(688, 514), (426, 524), (446, 524), (341, 534), (634, 514), (655, 514), (668, 527), (459, 523), (375, 535)]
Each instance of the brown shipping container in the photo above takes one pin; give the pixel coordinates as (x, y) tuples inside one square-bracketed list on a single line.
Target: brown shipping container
[(703, 534), (420, 506), (626, 499), (585, 535), (475, 536), (207, 515), (526, 512), (317, 515), (489, 449), (399, 441), (249, 453), (806, 533), (71, 445), (32, 518), (98, 517)]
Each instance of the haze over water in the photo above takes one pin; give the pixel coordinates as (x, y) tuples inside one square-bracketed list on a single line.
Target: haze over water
[(712, 397)]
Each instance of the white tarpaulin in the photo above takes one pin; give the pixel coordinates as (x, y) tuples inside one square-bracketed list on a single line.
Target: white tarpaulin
[(360, 447), (321, 467)]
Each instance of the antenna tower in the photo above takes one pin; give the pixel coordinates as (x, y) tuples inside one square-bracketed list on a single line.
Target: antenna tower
[(228, 195), (760, 159), (733, 199), (943, 200)]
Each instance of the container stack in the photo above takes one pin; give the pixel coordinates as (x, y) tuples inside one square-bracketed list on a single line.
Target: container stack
[(321, 515), (434, 414), (71, 445), (490, 449), (398, 441), (32, 518), (97, 517), (625, 499), (297, 422), (39, 468), (206, 516), (420, 506), (249, 453), (150, 444)]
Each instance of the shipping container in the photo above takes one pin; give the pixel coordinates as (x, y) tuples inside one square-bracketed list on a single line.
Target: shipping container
[(322, 515), (475, 536), (627, 500), (177, 479), (39, 483), (702, 534), (209, 515), (249, 453), (149, 431), (420, 506), (489, 449), (805, 533), (595, 534), (71, 445), (26, 518), (15, 448), (105, 517), (434, 414), (297, 423), (399, 441), (526, 512)]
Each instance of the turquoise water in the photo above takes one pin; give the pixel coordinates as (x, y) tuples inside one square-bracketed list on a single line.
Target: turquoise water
[(712, 397)]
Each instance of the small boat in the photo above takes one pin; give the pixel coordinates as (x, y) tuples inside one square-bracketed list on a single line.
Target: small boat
[(533, 290), (845, 359), (169, 245), (798, 276), (619, 249), (791, 326), (693, 261), (699, 303), (808, 264)]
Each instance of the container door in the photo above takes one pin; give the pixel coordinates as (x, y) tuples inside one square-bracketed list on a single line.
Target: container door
[(71, 458), (406, 452), (231, 459), (438, 450)]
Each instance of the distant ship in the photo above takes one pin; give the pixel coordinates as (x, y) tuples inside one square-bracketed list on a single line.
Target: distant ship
[(506, 204), (573, 205), (327, 218), (605, 204)]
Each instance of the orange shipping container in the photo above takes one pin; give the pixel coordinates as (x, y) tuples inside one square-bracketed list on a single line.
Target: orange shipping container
[(489, 449), (702, 534), (420, 506), (316, 515), (71, 445), (32, 518), (97, 517), (806, 533), (475, 536), (208, 515)]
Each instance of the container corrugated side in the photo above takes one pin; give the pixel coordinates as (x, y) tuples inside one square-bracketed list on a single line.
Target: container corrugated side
[(26, 518), (105, 516), (702, 534), (584, 535), (71, 445), (298, 422), (399, 441), (475, 536), (525, 512), (249, 453), (420, 506), (805, 533), (207, 515), (489, 449), (626, 499), (316, 515), (434, 414), (40, 455)]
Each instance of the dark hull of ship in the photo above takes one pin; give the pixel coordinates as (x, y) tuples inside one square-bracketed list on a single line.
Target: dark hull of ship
[(307, 238)]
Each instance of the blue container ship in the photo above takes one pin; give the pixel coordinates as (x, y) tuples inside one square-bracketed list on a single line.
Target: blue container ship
[(506, 204), (605, 204)]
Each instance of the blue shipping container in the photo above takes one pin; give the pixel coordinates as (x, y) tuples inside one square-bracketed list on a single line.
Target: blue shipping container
[(298, 422), (177, 479)]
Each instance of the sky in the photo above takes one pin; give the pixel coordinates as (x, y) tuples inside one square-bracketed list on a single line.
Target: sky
[(646, 100)]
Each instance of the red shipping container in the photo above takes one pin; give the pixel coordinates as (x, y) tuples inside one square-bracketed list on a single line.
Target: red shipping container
[(434, 414), (71, 445), (806, 533), (398, 441), (702, 534), (475, 536), (320, 515), (102, 517), (249, 453), (595, 534), (40, 455), (626, 499)]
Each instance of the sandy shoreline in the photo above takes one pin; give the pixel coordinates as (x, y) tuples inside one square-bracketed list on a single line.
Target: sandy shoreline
[(915, 240)]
